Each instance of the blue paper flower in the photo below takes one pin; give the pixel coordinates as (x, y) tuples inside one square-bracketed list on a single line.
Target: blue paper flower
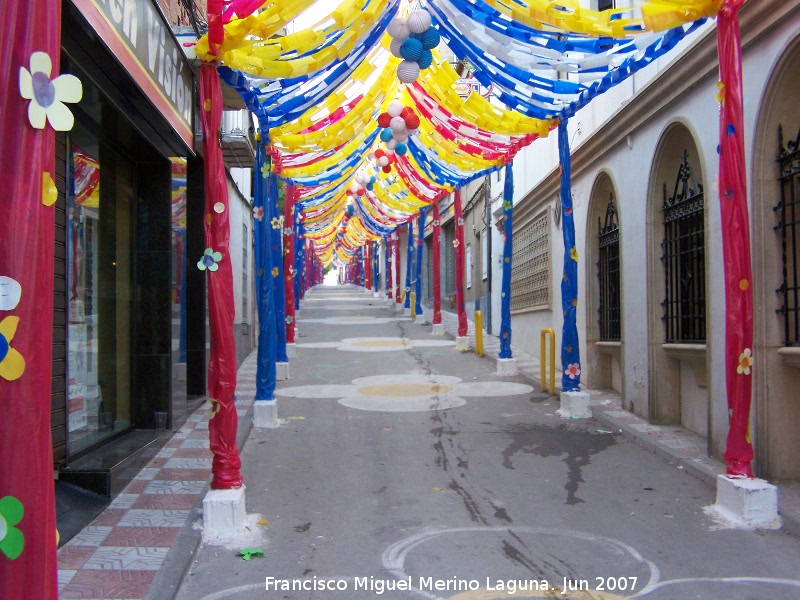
[(209, 260)]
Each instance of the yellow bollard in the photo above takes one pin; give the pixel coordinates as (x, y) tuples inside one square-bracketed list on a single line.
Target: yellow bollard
[(478, 333), (543, 359), (413, 304)]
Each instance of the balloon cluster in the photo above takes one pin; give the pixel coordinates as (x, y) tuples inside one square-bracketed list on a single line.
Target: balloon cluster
[(398, 122), (413, 38), (359, 187)]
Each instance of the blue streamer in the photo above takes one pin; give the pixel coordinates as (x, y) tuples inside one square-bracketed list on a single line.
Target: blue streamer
[(508, 250), (279, 293), (420, 247), (265, 367), (570, 354)]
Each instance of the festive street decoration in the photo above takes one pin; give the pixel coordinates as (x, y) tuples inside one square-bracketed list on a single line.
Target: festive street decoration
[(413, 40), (508, 254)]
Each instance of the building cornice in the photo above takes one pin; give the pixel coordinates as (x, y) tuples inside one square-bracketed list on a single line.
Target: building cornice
[(693, 66)]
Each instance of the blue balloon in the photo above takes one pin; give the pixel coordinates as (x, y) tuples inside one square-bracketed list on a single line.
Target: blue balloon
[(373, 179), (411, 49), (386, 135), (426, 60), (430, 38), (400, 149), (370, 185), (350, 210)]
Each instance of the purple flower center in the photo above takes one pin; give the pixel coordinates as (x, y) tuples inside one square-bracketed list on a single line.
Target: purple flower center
[(208, 260), (43, 89)]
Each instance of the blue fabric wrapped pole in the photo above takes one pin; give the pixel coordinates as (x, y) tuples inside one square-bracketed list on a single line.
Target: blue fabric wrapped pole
[(265, 367), (376, 272), (570, 354), (276, 272), (420, 248), (409, 260), (387, 272), (508, 249), (299, 256)]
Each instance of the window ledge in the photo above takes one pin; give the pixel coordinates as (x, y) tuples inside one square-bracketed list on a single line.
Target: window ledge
[(612, 348), (692, 354), (790, 355)]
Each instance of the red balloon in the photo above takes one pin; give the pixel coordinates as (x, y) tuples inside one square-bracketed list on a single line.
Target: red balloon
[(384, 119), (407, 110), (387, 169), (379, 152), (361, 191), (412, 121), (349, 192)]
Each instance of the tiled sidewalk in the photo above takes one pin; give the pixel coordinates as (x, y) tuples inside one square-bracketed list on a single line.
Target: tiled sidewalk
[(119, 554)]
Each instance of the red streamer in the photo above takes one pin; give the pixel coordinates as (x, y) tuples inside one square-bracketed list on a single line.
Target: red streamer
[(27, 238), (222, 427), (735, 243)]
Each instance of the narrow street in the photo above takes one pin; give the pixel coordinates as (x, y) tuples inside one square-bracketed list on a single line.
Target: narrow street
[(402, 468)]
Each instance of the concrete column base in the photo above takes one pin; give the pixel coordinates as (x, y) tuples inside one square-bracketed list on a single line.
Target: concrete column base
[(265, 413), (282, 371), (462, 343), (748, 503), (507, 367), (406, 311), (376, 294), (223, 513), (291, 349), (575, 405), (437, 329), (421, 320), (398, 306)]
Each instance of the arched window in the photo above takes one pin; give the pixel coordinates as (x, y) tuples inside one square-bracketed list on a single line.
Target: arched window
[(788, 211), (608, 275), (684, 259)]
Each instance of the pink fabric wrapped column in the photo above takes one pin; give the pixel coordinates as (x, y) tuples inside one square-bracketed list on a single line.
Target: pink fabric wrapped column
[(436, 254), (458, 217)]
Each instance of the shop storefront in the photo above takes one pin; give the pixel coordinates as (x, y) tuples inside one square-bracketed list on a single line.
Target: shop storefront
[(119, 356)]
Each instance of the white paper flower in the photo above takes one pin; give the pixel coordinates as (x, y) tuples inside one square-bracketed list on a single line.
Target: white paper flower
[(10, 293), (46, 96)]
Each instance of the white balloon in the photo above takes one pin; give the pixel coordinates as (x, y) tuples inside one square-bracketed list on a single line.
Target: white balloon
[(394, 47), (400, 136), (388, 151), (419, 21), (399, 28), (383, 161), (408, 71), (390, 145), (398, 124), (395, 108)]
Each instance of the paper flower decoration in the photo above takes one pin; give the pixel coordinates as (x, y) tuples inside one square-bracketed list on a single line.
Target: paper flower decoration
[(209, 260), (289, 319), (287, 231), (745, 362), (12, 364), (275, 271), (455, 244), (573, 254), (460, 221), (572, 370), (11, 539), (10, 293), (49, 190), (258, 213), (47, 97), (435, 222), (277, 222)]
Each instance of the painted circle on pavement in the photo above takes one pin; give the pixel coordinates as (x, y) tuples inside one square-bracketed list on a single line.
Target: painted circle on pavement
[(405, 390)]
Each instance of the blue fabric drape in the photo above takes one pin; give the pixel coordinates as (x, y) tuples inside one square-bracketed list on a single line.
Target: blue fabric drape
[(276, 273), (505, 296), (409, 260), (299, 256), (420, 248), (265, 368), (570, 354)]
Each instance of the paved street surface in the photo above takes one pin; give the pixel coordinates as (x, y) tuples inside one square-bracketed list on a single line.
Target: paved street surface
[(404, 469)]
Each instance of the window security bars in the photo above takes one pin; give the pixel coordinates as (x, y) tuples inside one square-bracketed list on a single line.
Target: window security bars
[(530, 266), (684, 260), (609, 313), (788, 210)]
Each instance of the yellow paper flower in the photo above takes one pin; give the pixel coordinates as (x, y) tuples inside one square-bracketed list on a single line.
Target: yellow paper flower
[(47, 97), (49, 190), (12, 364), (573, 253), (745, 361)]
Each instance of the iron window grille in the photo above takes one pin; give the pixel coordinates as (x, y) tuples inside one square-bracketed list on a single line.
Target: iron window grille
[(788, 210), (684, 260), (609, 310), (530, 266)]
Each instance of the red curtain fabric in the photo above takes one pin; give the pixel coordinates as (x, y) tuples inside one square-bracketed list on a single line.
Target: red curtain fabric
[(226, 463), (458, 217), (28, 554), (735, 243), (396, 236), (436, 254), (288, 261)]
